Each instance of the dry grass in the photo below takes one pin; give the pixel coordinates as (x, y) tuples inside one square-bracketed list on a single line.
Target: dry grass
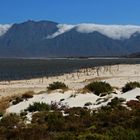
[(97, 79), (57, 90), (28, 94), (82, 91), (5, 103)]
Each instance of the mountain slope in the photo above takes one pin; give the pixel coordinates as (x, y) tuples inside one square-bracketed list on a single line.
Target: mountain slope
[(50, 39)]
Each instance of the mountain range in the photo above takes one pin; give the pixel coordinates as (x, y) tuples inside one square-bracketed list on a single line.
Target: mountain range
[(42, 39)]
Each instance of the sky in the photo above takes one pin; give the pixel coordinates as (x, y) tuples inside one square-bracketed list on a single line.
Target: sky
[(71, 11)]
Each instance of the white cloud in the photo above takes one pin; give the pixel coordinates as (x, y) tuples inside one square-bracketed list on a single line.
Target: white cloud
[(111, 31), (4, 28), (62, 28)]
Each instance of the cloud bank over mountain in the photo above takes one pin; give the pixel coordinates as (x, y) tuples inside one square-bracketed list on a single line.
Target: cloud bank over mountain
[(39, 39), (111, 31)]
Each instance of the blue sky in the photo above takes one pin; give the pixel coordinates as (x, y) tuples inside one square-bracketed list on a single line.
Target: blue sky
[(71, 11)]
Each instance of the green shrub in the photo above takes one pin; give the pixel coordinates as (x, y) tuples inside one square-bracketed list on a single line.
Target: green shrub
[(55, 121), (130, 86), (39, 118), (99, 87), (120, 133), (116, 102), (57, 85), (38, 107), (106, 123), (93, 137), (23, 113), (65, 136), (11, 121)]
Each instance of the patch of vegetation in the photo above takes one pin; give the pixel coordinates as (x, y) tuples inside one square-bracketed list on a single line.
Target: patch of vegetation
[(138, 97), (99, 87), (72, 96), (130, 86), (61, 100), (57, 85), (120, 133), (24, 96), (1, 114), (107, 123), (88, 104), (133, 104), (93, 137), (36, 106), (23, 113), (28, 95), (11, 121), (17, 100), (116, 102)]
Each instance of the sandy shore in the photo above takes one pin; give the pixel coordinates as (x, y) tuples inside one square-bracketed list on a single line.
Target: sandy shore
[(116, 75)]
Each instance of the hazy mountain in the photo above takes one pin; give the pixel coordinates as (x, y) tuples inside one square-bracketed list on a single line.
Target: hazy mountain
[(50, 39), (134, 55)]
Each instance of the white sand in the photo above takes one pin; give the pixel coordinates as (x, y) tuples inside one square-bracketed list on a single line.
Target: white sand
[(78, 101), (116, 75)]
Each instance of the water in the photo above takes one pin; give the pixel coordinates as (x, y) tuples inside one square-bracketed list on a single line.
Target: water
[(15, 69)]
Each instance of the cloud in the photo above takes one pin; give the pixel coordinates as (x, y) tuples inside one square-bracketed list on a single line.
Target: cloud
[(112, 31), (4, 28), (62, 28)]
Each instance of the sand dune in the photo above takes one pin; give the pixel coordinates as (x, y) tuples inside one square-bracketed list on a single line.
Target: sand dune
[(116, 75)]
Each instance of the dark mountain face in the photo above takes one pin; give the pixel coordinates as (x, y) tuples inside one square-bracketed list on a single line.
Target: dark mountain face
[(21, 38), (73, 43), (134, 55), (29, 39), (132, 45)]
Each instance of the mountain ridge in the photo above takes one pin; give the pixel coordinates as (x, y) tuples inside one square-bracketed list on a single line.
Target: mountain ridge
[(51, 39)]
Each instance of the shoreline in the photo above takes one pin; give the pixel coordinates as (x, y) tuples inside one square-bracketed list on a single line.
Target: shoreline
[(116, 75), (18, 69)]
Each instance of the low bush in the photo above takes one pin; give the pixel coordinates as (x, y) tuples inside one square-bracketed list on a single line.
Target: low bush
[(25, 96), (61, 100), (106, 123), (133, 104), (72, 96), (55, 121), (93, 137), (28, 94), (11, 121), (116, 102), (99, 87), (38, 107), (17, 100), (39, 118), (1, 114), (88, 104), (57, 85), (64, 136), (120, 133), (130, 86), (138, 97)]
